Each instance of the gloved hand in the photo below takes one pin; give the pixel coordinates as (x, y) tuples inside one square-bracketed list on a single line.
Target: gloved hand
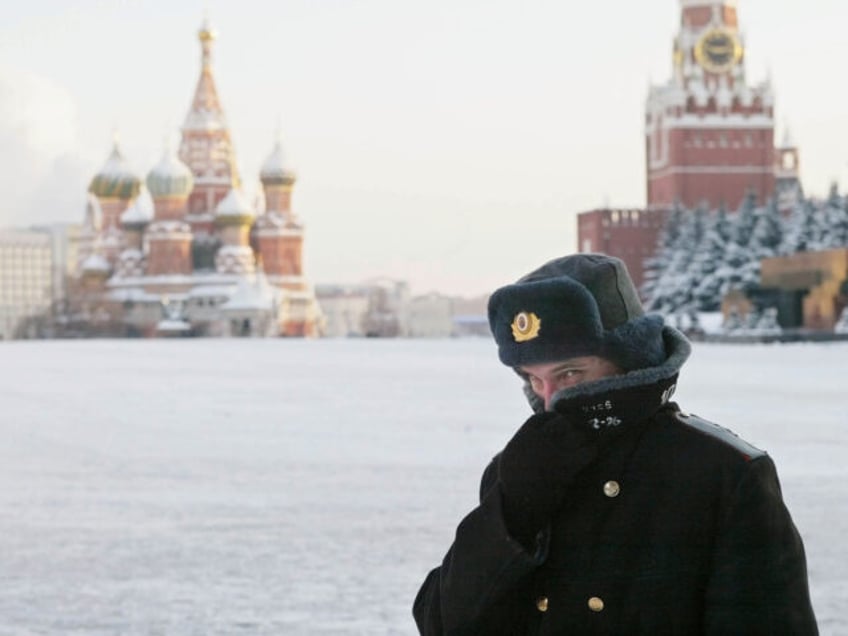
[(536, 467)]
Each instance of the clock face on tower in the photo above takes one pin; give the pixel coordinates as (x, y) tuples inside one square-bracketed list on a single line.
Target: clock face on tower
[(718, 50)]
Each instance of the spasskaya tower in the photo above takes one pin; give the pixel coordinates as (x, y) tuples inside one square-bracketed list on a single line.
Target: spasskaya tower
[(709, 134)]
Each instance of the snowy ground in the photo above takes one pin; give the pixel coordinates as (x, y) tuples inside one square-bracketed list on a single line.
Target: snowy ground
[(306, 487)]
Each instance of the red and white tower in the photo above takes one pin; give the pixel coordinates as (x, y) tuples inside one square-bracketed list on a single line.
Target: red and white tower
[(208, 150), (131, 261), (279, 234), (115, 187), (234, 217), (709, 134), (169, 236)]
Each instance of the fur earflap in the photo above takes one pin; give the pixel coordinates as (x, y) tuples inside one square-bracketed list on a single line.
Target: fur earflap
[(637, 344)]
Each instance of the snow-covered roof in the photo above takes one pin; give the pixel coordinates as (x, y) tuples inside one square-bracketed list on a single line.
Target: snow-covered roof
[(131, 253), (134, 294), (275, 224), (136, 214), (252, 293), (172, 326), (236, 251), (169, 229), (276, 167), (235, 204), (112, 238), (95, 263), (211, 291), (116, 165), (197, 279)]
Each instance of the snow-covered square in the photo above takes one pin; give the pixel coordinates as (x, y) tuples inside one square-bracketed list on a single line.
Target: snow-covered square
[(306, 487)]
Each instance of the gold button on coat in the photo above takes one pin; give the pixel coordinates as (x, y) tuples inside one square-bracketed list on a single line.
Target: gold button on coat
[(611, 489), (542, 603), (596, 604)]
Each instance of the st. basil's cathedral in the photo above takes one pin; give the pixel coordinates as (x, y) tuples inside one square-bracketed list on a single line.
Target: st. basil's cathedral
[(206, 260)]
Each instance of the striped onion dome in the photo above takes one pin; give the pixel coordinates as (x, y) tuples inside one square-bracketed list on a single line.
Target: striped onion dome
[(170, 177), (115, 179)]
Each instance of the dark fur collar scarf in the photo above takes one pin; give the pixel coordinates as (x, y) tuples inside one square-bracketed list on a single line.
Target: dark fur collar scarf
[(612, 403)]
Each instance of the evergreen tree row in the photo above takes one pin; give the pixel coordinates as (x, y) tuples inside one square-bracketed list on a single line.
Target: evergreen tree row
[(701, 255)]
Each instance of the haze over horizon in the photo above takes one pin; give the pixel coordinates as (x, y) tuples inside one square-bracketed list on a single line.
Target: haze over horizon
[(448, 143)]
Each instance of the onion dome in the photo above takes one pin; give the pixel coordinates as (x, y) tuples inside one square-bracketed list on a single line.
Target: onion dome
[(234, 209), (276, 169), (115, 179), (170, 177)]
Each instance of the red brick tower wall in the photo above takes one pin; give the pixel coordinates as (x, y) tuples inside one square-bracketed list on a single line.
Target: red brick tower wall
[(278, 199), (169, 256)]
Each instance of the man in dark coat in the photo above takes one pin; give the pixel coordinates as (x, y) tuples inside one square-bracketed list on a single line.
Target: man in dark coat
[(611, 511)]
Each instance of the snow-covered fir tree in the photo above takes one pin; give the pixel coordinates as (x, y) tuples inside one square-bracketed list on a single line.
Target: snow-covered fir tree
[(708, 257), (673, 289), (702, 256), (836, 220), (745, 220), (805, 229), (767, 236), (657, 264)]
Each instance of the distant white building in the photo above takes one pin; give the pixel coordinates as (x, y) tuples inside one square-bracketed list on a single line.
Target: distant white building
[(431, 316), (344, 308), (26, 279), (377, 308), (384, 308), (388, 309)]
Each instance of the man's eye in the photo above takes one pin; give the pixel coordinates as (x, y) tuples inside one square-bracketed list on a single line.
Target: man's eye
[(535, 383), (569, 375)]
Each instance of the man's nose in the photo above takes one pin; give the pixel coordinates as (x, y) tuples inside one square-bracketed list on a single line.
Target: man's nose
[(548, 390)]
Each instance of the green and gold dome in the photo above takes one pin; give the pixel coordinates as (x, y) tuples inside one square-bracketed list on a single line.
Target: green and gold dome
[(115, 179), (170, 178)]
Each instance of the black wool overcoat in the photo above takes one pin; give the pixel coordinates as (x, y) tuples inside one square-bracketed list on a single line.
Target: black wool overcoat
[(676, 526)]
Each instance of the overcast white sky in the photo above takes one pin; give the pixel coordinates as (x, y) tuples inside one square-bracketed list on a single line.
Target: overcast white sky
[(447, 142)]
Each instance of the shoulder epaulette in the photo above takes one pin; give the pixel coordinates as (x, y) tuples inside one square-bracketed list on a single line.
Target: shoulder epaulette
[(725, 435)]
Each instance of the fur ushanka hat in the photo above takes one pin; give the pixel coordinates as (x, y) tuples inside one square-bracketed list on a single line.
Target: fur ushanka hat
[(578, 305)]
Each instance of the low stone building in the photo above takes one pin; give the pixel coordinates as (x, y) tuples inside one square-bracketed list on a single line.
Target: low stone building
[(810, 289)]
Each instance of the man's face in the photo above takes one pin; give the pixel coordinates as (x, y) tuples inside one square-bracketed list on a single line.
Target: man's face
[(548, 378)]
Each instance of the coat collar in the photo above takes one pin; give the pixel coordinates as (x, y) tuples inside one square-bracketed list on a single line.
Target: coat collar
[(614, 402)]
